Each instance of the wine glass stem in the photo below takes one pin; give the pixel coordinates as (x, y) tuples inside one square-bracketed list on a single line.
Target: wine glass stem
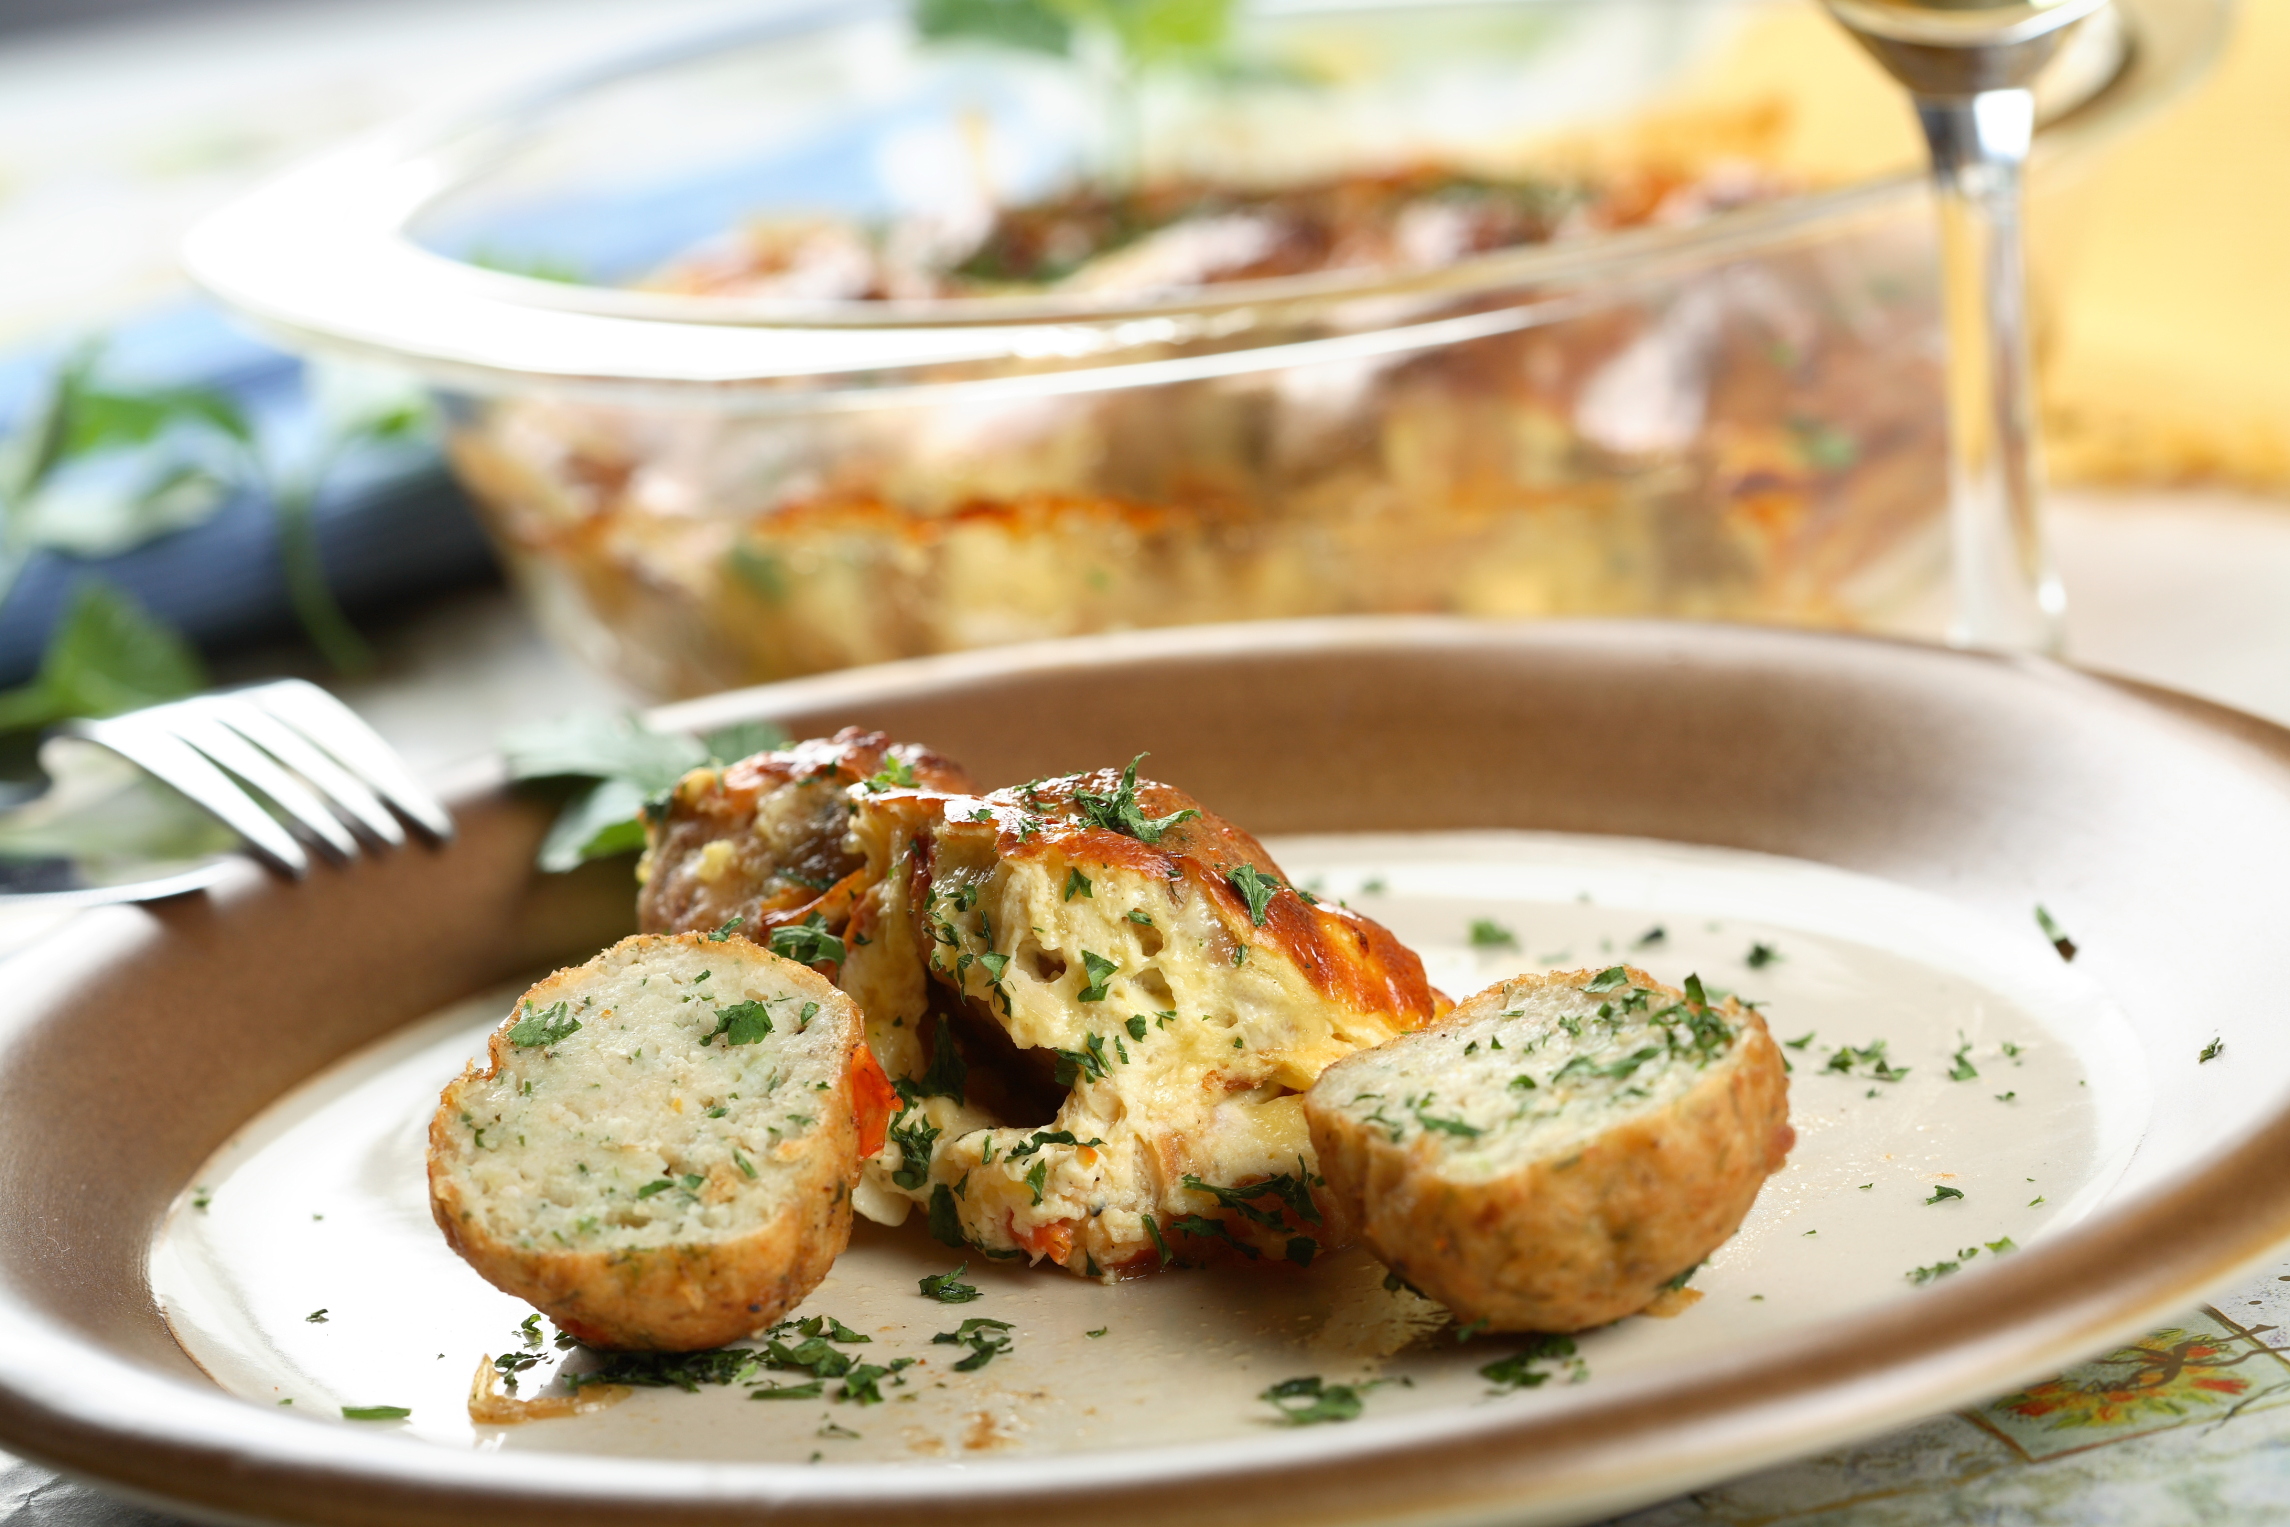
[(2007, 596)]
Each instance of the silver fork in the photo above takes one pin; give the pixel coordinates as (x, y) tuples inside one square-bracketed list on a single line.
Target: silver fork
[(333, 783)]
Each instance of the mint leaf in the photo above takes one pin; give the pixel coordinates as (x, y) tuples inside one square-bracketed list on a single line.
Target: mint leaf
[(106, 655)]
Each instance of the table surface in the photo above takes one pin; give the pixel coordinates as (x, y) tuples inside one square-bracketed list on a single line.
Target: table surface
[(2189, 1423)]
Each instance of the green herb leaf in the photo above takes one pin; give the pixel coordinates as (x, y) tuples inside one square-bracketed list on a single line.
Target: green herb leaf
[(1119, 812), (2211, 1051), (1077, 884), (1035, 25), (895, 774), (1941, 1193), (1255, 888), (552, 1026), (1100, 970), (2051, 930), (375, 1412), (106, 655), (1521, 1371), (945, 1218), (741, 1023), (1608, 979), (1311, 1401), (948, 1288), (807, 944), (1488, 934)]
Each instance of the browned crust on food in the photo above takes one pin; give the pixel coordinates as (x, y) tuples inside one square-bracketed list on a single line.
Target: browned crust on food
[(764, 885), (1569, 1244), (669, 1298), (1347, 958)]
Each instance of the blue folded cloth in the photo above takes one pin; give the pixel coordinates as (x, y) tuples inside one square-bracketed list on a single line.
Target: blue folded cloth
[(390, 524)]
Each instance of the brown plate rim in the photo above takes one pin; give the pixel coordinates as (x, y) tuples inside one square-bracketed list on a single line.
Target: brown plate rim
[(71, 1402)]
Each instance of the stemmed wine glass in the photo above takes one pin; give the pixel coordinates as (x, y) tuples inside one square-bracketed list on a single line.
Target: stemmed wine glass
[(1968, 64)]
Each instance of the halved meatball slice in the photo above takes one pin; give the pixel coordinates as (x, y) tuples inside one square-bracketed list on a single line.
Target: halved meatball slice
[(1558, 1148)]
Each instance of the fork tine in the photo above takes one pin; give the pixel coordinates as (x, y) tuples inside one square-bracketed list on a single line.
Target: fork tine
[(175, 762), (338, 729), (192, 721), (318, 769)]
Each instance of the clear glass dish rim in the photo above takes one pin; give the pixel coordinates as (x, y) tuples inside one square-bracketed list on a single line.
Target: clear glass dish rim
[(316, 257)]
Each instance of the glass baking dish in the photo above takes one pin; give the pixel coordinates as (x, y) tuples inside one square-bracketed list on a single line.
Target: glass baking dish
[(1723, 405)]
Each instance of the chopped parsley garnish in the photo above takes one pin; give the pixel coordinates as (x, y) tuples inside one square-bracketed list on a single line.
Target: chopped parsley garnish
[(1100, 1331), (2211, 1051), (1486, 933), (1608, 979), (2059, 939), (1760, 956), (1682, 1279), (1652, 936), (1518, 1371), (895, 774), (1961, 1068), (1100, 971), (986, 1340), (742, 1023), (948, 1288), (730, 927), (1042, 1137), (1310, 1401), (1255, 888), (1802, 1040), (1160, 1242), (812, 1355), (1139, 916), (375, 1412), (807, 944), (1137, 1025), (1119, 811), (1998, 1248), (673, 1370), (1037, 1176), (811, 1391), (1077, 884), (1584, 1066), (948, 1073), (1292, 1191), (1448, 1126), (914, 1142), (829, 1327), (650, 1188), (1871, 1057), (1089, 1061), (1924, 1275), (1941, 1193), (945, 1219), (860, 1385), (548, 1027), (316, 1317)]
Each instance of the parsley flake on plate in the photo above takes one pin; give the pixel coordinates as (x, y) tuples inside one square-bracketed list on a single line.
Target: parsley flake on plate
[(1486, 933), (948, 1288)]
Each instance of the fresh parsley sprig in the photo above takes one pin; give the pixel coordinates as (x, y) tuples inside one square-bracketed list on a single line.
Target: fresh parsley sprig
[(627, 764)]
